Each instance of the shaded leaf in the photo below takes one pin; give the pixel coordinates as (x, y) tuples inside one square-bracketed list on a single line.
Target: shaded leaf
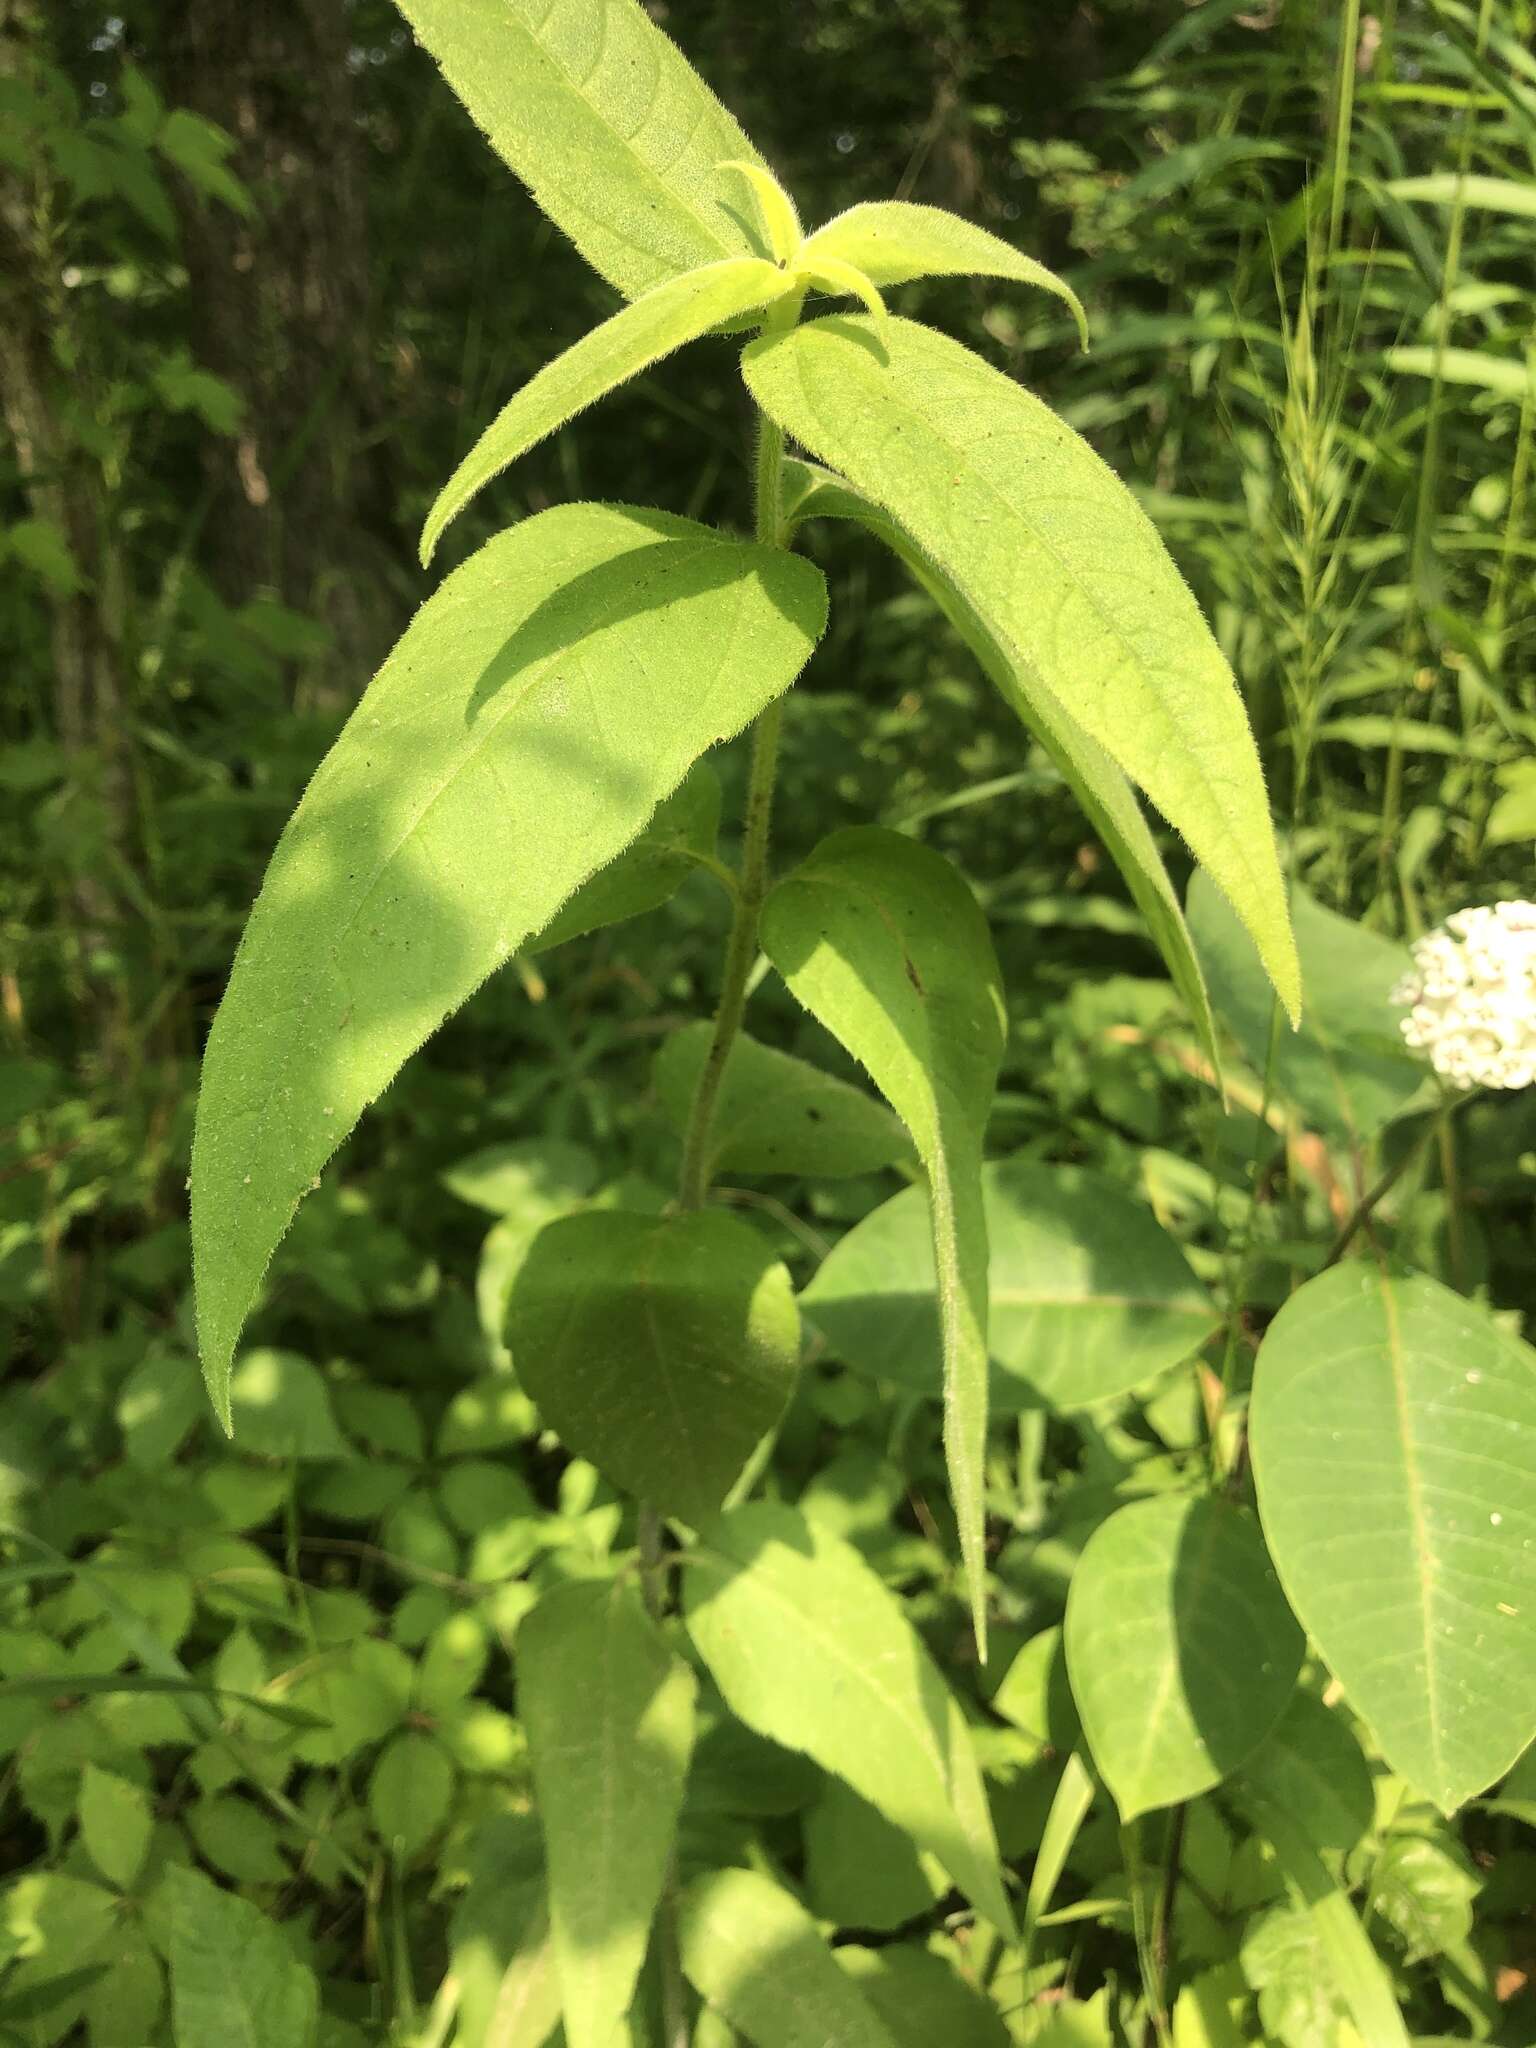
[(663, 1348), (1089, 1295), (680, 837), (777, 1114), (1179, 1592), (234, 1979)]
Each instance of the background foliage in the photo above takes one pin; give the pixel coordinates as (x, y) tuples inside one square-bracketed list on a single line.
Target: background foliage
[(261, 285)]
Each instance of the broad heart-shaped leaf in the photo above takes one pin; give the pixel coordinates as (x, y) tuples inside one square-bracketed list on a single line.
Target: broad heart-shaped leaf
[(1059, 562), (541, 705), (662, 1348), (756, 1956), (1346, 1069), (609, 1712), (770, 1598), (1108, 801), (680, 837), (1180, 1647), (606, 122), (893, 242), (1090, 1296), (884, 944), (1393, 1431), (668, 316), (777, 1114)]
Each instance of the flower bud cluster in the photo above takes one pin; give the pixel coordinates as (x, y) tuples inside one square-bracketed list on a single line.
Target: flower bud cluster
[(1472, 997)]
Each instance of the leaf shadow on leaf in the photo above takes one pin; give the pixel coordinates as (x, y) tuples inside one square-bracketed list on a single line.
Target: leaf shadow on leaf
[(375, 922)]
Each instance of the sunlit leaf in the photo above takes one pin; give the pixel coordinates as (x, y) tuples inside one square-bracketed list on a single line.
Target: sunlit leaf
[(882, 941), (1059, 561), (542, 704), (609, 1711)]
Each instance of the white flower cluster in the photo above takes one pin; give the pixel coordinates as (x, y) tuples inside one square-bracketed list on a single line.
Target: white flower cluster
[(1473, 997)]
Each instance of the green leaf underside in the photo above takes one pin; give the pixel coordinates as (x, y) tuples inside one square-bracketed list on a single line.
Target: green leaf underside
[(610, 1714), (663, 1349), (778, 1114), (1346, 1069), (681, 835), (892, 242), (1090, 1296), (540, 706), (769, 1598), (758, 1958), (1180, 1593), (1393, 1429), (884, 944), (668, 317), (606, 122), (1107, 799), (1059, 561)]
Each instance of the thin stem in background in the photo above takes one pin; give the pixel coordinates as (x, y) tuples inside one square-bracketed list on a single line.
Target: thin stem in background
[(1343, 123), (674, 1995)]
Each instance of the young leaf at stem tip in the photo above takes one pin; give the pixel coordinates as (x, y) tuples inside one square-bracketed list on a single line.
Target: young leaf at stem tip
[(781, 223), (664, 320), (892, 242)]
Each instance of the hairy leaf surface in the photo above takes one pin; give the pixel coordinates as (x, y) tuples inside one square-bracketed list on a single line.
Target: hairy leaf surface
[(770, 1598), (882, 941), (670, 315), (1060, 563), (609, 1711), (1393, 1430), (605, 121), (1108, 800), (540, 706), (662, 1348), (892, 242), (1180, 1646)]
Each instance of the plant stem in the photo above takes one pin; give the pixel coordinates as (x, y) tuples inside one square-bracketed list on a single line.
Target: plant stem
[(1365, 1208), (741, 947), (1343, 122), (674, 1996)]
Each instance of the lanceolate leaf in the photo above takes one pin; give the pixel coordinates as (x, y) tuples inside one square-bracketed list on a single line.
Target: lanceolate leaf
[(892, 242), (881, 940), (541, 705), (1106, 797), (1393, 1430), (1061, 565), (756, 1956), (670, 314), (606, 122), (680, 837), (769, 1598), (1181, 1649), (609, 1713), (662, 1348), (1088, 1295)]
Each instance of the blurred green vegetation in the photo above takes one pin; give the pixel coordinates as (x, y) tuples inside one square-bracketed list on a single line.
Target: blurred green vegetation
[(261, 284)]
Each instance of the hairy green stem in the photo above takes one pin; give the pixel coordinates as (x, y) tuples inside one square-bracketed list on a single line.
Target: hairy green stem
[(674, 1995), (752, 886)]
